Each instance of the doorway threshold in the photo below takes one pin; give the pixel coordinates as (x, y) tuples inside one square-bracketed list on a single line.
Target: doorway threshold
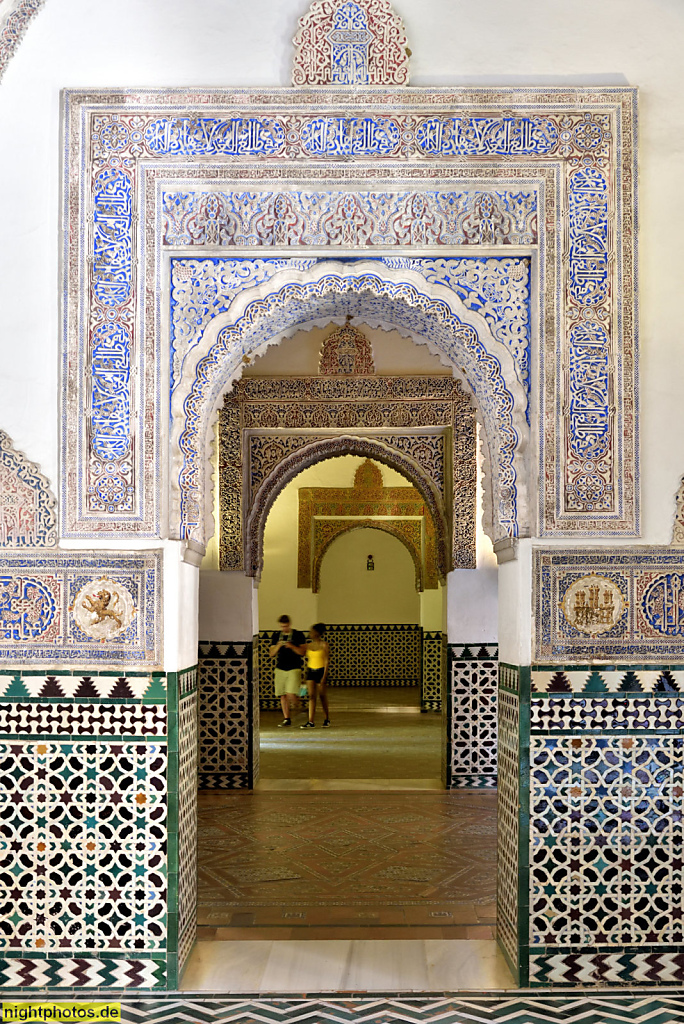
[(347, 965), (323, 785)]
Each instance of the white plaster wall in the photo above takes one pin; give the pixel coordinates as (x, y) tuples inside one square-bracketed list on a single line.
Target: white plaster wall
[(351, 594), (79, 43), (225, 606), (180, 609)]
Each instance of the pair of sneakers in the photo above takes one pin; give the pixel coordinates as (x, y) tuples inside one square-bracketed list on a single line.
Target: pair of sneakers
[(307, 725)]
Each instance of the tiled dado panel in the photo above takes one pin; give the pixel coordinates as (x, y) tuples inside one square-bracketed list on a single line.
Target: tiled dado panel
[(433, 676), (186, 721), (511, 890), (89, 805), (470, 724), (226, 716), (66, 608), (360, 655), (606, 848)]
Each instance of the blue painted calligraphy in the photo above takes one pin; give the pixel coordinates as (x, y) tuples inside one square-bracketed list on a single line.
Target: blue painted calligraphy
[(349, 39), (26, 608), (110, 397), (481, 136), (208, 136), (588, 208), (663, 604), (590, 412), (350, 136), (112, 237)]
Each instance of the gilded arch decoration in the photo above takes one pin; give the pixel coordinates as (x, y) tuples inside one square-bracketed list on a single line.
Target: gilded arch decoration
[(345, 444), (326, 512), (428, 420), (406, 531)]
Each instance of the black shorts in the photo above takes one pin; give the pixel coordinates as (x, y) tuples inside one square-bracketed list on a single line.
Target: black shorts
[(315, 674)]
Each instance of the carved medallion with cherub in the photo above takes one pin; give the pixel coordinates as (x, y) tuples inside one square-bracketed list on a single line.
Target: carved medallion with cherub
[(593, 604)]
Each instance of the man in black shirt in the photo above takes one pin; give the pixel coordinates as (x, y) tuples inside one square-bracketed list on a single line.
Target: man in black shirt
[(287, 647)]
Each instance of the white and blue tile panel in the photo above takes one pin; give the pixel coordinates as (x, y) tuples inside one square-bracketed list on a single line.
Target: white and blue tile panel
[(470, 747), (89, 829), (226, 719)]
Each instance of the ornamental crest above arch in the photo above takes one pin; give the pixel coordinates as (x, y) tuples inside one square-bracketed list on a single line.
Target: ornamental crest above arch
[(350, 42), (346, 350)]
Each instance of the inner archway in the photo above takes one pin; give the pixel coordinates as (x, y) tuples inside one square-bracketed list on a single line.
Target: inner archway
[(282, 447)]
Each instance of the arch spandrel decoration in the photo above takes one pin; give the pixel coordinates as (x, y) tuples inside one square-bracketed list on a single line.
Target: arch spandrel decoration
[(430, 313), (265, 420), (510, 143), (407, 532), (350, 42), (28, 517), (319, 450)]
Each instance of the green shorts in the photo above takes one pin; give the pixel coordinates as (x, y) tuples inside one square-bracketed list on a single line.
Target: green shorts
[(287, 682)]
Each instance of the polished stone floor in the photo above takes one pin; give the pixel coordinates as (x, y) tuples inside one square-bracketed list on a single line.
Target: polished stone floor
[(347, 965), (377, 732)]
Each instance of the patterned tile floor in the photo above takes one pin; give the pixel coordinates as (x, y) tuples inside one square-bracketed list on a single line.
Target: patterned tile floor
[(400, 863)]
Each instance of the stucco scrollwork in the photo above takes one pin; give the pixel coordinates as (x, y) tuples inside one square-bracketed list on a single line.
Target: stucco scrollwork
[(429, 419)]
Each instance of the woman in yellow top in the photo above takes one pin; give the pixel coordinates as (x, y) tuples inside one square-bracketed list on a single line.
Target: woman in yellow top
[(317, 661)]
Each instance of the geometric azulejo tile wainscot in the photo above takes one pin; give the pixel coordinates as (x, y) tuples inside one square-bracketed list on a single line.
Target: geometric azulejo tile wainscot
[(88, 807), (512, 913), (470, 724), (226, 716), (183, 858), (616, 605), (605, 840), (65, 608)]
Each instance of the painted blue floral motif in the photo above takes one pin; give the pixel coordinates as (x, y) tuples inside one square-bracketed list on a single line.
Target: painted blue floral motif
[(497, 288), (202, 289), (663, 604), (483, 136), (354, 219), (349, 40), (210, 136), (27, 608)]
